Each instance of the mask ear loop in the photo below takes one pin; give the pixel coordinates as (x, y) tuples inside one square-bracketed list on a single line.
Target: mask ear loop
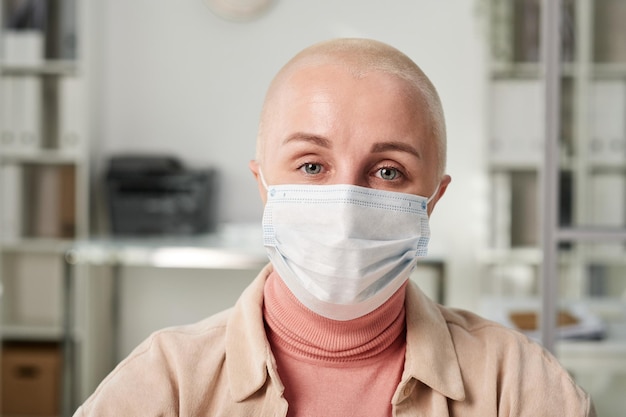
[(431, 197), (263, 180)]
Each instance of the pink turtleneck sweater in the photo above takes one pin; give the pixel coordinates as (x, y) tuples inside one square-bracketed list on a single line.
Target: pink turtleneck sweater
[(335, 368)]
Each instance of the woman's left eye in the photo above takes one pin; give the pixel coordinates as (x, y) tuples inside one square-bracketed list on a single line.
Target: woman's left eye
[(311, 168), (388, 174)]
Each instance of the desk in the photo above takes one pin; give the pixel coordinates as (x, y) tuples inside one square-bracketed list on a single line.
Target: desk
[(606, 356), (232, 247), (600, 366)]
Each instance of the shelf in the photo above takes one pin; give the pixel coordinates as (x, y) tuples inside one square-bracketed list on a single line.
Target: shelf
[(41, 156), (606, 167), (530, 255), (27, 332), (591, 234), (45, 155), (533, 256), (609, 70), (534, 70), (525, 70), (566, 164), (232, 246), (37, 245), (47, 68), (499, 164)]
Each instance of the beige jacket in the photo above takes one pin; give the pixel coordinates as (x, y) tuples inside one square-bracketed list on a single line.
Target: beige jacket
[(457, 364)]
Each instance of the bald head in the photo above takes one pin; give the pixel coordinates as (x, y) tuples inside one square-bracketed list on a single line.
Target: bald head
[(360, 57)]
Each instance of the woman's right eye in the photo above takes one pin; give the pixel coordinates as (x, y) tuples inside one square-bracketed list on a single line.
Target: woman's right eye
[(311, 168)]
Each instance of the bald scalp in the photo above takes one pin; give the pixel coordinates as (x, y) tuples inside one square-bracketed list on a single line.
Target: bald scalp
[(360, 57)]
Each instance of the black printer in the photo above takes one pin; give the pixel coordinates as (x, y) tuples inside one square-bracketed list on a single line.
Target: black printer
[(157, 195)]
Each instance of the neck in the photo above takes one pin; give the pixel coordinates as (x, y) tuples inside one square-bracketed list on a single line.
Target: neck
[(298, 331)]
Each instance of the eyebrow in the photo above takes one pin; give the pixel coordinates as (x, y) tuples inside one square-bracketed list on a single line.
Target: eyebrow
[(306, 137), (376, 148), (396, 146)]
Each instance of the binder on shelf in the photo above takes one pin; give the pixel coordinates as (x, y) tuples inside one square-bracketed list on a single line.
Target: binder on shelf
[(53, 22), (526, 30), (501, 206), (72, 125), (8, 124), (37, 284), (568, 117), (607, 199), (23, 47), (517, 119), (608, 122), (610, 32), (67, 193), (11, 202), (23, 98), (46, 202), (68, 30), (524, 209), (54, 202), (502, 37), (28, 113), (25, 22), (568, 30)]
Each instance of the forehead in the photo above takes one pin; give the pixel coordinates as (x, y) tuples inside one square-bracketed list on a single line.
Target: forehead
[(343, 94), (353, 111)]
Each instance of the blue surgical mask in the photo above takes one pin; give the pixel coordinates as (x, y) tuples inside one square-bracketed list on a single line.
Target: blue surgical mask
[(344, 250)]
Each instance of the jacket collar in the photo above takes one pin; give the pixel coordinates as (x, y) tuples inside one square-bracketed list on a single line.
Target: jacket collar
[(248, 356), (430, 354)]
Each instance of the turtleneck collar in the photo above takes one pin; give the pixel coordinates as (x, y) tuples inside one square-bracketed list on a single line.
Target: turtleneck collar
[(297, 331)]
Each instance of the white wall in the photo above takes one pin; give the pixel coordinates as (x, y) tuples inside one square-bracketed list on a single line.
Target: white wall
[(173, 77)]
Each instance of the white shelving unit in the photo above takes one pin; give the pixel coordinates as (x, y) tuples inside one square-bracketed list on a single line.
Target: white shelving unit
[(558, 229), (592, 137), (44, 168)]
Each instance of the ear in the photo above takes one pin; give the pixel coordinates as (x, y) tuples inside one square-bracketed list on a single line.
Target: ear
[(443, 185), (255, 168)]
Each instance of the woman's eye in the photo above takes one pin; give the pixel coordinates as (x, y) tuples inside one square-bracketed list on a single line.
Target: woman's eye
[(311, 168), (388, 174)]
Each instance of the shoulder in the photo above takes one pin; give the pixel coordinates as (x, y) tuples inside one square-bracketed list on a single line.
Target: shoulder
[(517, 370), (466, 323), (473, 333), (182, 346), (211, 329), (167, 360)]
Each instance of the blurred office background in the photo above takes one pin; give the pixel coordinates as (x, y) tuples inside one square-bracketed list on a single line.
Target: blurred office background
[(87, 83)]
